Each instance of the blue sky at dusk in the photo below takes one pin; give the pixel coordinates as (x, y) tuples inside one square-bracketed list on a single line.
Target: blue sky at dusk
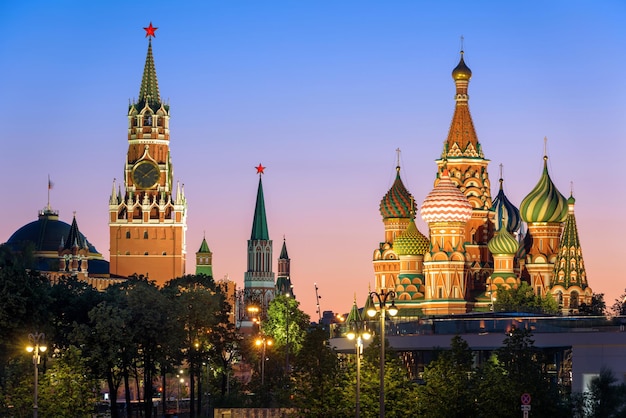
[(322, 93)]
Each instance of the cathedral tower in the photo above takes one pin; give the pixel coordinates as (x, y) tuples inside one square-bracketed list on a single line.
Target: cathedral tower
[(544, 210), (397, 208), (148, 220), (463, 157), (570, 287), (447, 212)]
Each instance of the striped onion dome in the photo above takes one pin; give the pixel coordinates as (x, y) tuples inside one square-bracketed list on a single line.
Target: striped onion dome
[(446, 203), (544, 203), (411, 241), (461, 71), (503, 243), (506, 213), (398, 202)]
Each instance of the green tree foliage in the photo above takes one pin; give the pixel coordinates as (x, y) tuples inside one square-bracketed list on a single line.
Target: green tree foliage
[(318, 378), (67, 389), (107, 342), (200, 309), (619, 306), (523, 299), (597, 307), (452, 374), (606, 398), (400, 392), (71, 301), (286, 323)]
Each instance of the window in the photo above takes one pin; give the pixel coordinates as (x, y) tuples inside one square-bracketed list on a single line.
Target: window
[(145, 234), (127, 234)]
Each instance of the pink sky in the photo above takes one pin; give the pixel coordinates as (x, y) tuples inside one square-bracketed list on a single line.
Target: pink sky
[(321, 94)]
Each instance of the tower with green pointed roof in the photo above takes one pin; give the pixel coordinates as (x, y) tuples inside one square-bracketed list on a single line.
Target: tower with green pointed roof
[(148, 217), (259, 282), (570, 287), (204, 259)]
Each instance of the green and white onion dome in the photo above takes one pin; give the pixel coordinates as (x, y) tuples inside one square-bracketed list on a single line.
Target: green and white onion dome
[(411, 241), (446, 203), (398, 202), (503, 243), (544, 203)]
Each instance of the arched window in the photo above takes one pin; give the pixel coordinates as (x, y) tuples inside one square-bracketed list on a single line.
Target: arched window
[(145, 234), (147, 120), (127, 234)]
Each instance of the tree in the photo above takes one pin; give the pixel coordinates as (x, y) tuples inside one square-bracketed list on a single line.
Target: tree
[(67, 389), (523, 299), (596, 308), (400, 392), (25, 296), (319, 379), (201, 310), (606, 397), (286, 325), (619, 306), (448, 389)]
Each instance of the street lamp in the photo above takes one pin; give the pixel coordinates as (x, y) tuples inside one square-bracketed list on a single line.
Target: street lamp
[(263, 341), (37, 347), (358, 333), (371, 312)]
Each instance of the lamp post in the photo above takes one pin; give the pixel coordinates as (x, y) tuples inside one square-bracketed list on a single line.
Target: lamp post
[(264, 342), (382, 298), (358, 333), (37, 347)]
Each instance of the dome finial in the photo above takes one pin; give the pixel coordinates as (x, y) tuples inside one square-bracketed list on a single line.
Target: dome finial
[(461, 71), (398, 159)]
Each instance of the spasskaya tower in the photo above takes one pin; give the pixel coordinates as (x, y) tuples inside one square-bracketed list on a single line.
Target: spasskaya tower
[(148, 218)]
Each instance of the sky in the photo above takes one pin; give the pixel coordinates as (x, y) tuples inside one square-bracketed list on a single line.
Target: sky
[(322, 93)]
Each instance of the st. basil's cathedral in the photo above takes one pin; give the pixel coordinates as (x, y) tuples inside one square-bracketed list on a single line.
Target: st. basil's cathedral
[(475, 244)]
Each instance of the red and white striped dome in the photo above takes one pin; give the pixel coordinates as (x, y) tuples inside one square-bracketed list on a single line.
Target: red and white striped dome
[(446, 203)]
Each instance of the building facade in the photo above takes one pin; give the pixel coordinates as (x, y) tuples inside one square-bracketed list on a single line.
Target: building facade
[(476, 245)]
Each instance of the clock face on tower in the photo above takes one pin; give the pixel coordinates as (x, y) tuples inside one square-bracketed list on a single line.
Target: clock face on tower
[(146, 174)]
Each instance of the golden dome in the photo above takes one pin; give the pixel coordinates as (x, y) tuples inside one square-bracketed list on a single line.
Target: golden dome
[(461, 71)]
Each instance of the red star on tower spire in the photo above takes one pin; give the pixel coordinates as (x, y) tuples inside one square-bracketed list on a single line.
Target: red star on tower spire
[(260, 169), (150, 30)]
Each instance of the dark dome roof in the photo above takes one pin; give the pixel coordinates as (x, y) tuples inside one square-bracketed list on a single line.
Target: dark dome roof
[(45, 235)]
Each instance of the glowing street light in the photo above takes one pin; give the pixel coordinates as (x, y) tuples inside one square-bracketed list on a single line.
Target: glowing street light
[(371, 312), (264, 342), (358, 333), (37, 347)]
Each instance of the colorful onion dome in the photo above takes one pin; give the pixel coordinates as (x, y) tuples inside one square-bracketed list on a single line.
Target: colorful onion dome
[(411, 241), (398, 202), (506, 213), (461, 71), (503, 243), (446, 203), (544, 203)]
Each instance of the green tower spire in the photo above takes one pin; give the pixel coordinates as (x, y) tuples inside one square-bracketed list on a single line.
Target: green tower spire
[(259, 224)]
